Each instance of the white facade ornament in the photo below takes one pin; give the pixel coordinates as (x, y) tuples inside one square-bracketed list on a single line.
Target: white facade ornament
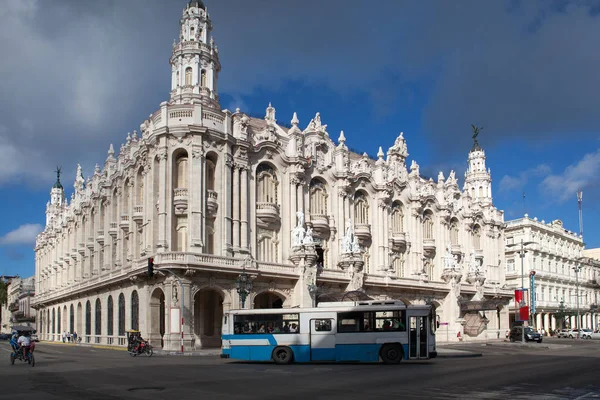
[(349, 240), (450, 260)]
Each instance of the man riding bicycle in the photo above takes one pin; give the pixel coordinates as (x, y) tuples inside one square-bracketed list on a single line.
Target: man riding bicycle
[(24, 343)]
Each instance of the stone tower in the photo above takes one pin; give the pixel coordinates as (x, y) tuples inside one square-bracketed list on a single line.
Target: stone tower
[(478, 179), (57, 199), (195, 60)]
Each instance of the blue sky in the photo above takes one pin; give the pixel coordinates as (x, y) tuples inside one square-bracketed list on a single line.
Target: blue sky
[(78, 75)]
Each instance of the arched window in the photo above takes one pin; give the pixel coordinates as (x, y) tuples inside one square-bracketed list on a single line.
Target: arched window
[(188, 76), (109, 316), (477, 237), (454, 232), (88, 318), (480, 191), (428, 225), (399, 265), (121, 315), (318, 198), (267, 245), (135, 309), (397, 218), (139, 192), (98, 330), (72, 319), (203, 78), (58, 322), (361, 209), (182, 171), (210, 174), (266, 189)]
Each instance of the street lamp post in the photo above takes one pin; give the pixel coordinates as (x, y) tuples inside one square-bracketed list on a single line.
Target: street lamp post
[(243, 285), (577, 268), (522, 256)]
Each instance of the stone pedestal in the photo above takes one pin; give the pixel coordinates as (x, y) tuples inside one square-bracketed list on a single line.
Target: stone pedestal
[(305, 258), (453, 276), (353, 264)]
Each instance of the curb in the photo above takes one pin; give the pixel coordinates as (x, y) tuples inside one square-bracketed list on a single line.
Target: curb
[(159, 352), (93, 346), (468, 355)]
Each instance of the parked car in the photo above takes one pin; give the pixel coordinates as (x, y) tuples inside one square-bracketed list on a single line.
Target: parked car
[(530, 335), (563, 333), (589, 334)]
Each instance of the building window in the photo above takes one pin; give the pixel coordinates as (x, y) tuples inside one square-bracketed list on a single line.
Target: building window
[(188, 76), (477, 237), (98, 330), (109, 317), (428, 225), (510, 266), (318, 198), (397, 218), (121, 315), (454, 232), (267, 184), (203, 78), (88, 318), (210, 175), (361, 209), (58, 321), (267, 245), (135, 309), (398, 265), (72, 319)]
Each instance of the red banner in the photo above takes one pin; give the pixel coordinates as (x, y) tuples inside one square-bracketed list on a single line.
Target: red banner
[(524, 313), (518, 297)]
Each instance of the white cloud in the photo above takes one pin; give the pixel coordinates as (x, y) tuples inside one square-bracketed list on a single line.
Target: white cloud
[(23, 235), (564, 186), (510, 183)]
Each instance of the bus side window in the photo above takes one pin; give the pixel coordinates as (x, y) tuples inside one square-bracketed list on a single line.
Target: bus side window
[(322, 325)]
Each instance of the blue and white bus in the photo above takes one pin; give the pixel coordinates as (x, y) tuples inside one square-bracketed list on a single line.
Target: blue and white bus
[(363, 331)]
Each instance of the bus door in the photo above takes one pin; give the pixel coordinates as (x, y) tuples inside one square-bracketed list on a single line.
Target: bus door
[(417, 339), (322, 340)]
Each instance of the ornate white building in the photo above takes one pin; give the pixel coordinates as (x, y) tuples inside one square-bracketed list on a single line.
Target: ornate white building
[(209, 193), (562, 270)]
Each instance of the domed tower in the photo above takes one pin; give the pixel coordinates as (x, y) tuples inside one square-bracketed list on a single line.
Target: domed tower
[(57, 199), (195, 60), (478, 180)]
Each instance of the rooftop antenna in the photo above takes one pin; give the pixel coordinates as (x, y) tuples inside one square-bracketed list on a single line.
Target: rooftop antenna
[(579, 201)]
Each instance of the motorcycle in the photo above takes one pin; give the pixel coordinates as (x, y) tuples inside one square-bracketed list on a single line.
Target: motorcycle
[(136, 346)]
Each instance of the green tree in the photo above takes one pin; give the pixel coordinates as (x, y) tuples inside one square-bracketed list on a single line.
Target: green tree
[(3, 292)]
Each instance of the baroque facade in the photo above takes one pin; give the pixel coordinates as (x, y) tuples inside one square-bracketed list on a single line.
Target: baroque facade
[(21, 292), (208, 194), (564, 274)]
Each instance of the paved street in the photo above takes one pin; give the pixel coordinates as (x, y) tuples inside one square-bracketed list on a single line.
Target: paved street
[(557, 369)]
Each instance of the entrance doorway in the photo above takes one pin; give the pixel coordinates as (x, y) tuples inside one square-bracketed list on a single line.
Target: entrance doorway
[(268, 300), (157, 317), (208, 318)]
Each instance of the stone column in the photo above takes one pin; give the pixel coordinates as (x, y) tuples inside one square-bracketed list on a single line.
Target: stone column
[(173, 301), (381, 256), (546, 321), (244, 208), (227, 204), (538, 321), (196, 184), (236, 208), (163, 225)]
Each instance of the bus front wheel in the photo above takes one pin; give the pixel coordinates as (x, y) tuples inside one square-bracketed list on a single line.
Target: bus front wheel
[(391, 353), (282, 355)]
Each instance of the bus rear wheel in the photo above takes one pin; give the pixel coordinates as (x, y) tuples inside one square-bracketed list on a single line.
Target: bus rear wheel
[(391, 353), (282, 355)]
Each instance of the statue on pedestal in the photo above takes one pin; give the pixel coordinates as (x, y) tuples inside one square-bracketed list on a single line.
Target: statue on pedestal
[(349, 240)]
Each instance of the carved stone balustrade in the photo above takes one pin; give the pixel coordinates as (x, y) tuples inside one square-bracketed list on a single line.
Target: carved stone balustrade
[(398, 242), (124, 224), (363, 232), (429, 248), (113, 229), (138, 214), (180, 200), (212, 202), (320, 224), (100, 236), (267, 213)]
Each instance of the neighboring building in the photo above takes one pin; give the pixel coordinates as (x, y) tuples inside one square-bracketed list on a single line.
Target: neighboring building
[(210, 194), (592, 253), (554, 255), (20, 298)]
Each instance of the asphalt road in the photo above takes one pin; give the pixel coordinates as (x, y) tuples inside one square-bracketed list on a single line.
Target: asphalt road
[(505, 371)]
